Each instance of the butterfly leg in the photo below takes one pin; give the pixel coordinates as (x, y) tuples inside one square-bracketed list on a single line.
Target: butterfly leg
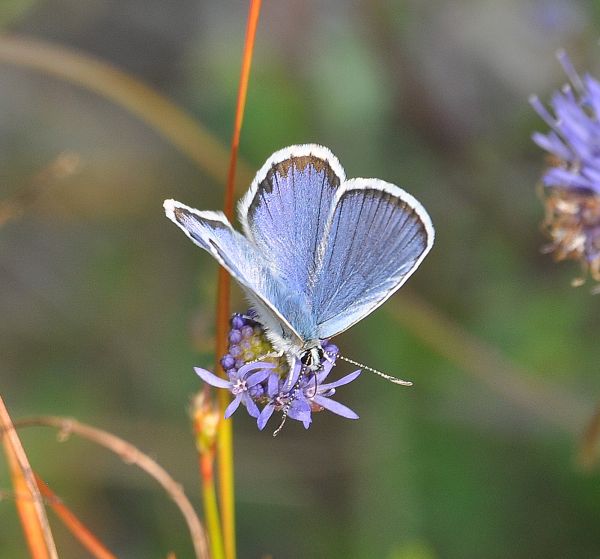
[(289, 399), (270, 355)]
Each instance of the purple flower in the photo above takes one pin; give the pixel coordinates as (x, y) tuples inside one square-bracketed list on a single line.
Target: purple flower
[(572, 193), (304, 392), (255, 382), (241, 382), (574, 138)]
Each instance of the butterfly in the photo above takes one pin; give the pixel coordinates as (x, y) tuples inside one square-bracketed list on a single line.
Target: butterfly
[(318, 252)]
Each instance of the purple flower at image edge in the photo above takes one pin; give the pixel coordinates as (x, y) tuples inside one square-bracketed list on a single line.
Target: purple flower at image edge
[(572, 180), (574, 138)]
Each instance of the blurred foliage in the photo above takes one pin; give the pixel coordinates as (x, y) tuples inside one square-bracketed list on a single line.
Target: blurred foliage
[(105, 307)]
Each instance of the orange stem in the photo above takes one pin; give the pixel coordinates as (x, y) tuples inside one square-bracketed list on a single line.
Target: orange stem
[(28, 499), (74, 525), (131, 455), (225, 436)]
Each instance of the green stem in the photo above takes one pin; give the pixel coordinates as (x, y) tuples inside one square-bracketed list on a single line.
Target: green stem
[(211, 509)]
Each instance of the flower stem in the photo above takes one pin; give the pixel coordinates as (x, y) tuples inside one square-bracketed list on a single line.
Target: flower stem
[(211, 508), (225, 434), (29, 502)]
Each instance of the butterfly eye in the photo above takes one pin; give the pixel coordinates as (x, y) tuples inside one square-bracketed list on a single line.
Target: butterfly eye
[(313, 358)]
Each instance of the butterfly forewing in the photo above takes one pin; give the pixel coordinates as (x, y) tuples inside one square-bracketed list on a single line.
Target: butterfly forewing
[(286, 209), (376, 237)]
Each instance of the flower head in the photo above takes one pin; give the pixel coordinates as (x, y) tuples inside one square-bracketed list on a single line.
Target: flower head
[(305, 392), (297, 393), (572, 181)]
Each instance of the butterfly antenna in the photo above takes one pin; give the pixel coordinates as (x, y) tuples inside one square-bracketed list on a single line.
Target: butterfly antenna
[(395, 380), (292, 396), (283, 418)]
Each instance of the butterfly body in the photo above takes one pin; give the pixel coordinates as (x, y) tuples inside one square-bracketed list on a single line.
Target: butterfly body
[(318, 252), (285, 341)]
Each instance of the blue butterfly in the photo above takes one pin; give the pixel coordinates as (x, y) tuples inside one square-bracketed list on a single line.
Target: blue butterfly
[(319, 252)]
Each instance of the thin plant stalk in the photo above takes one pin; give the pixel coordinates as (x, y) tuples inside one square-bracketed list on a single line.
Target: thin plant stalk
[(206, 418), (130, 454), (225, 433), (211, 508), (79, 530), (28, 499)]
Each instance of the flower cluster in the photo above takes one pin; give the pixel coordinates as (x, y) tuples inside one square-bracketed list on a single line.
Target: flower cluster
[(255, 378), (572, 181)]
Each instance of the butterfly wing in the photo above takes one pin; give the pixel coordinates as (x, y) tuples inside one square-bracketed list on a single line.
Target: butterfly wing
[(213, 232), (376, 237), (320, 252), (284, 213)]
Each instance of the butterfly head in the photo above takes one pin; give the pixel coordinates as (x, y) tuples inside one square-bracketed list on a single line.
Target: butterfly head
[(312, 357)]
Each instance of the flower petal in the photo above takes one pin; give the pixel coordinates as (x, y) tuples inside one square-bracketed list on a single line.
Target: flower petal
[(273, 385), (335, 407), (265, 415), (246, 369), (293, 376), (250, 405), (299, 410), (324, 373), (233, 406), (212, 379), (255, 378), (340, 382)]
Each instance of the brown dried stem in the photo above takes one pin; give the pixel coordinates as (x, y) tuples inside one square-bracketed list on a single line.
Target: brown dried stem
[(131, 455), (29, 501), (79, 530), (225, 434)]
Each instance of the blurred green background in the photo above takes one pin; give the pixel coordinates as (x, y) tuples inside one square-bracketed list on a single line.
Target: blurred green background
[(105, 307)]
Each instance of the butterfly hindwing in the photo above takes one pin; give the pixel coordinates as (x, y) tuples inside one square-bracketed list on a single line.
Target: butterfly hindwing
[(376, 237)]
